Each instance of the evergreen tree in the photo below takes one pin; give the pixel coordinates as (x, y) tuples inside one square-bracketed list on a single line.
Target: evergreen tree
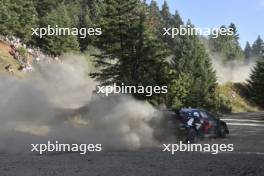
[(44, 7), (234, 50), (166, 15), (177, 20), (256, 84), (176, 23), (154, 18), (6, 16), (258, 47), (247, 52), (227, 45), (193, 78), (235, 36), (89, 16), (218, 41), (95, 9), (171, 21), (152, 56), (116, 42), (166, 23), (54, 44), (17, 17), (131, 52)]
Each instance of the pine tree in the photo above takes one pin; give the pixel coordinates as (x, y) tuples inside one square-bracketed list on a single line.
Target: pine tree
[(17, 17), (171, 21), (44, 7), (95, 9), (176, 23), (89, 16), (154, 18), (227, 45), (116, 42), (235, 36), (218, 41), (131, 52), (5, 18), (258, 47), (54, 44), (194, 80), (256, 84), (234, 51), (166, 15), (247, 52), (152, 54), (177, 20)]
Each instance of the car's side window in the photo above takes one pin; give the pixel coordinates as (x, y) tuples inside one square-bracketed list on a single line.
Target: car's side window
[(210, 116), (204, 115)]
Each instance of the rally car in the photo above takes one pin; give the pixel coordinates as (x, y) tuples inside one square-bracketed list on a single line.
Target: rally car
[(199, 122)]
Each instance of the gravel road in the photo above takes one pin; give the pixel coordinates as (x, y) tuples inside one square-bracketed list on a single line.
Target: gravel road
[(247, 135)]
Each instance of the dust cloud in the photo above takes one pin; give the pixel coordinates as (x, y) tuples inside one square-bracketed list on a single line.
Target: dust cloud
[(57, 102), (233, 71)]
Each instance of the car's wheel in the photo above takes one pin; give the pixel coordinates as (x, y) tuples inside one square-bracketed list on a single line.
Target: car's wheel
[(222, 131), (192, 135)]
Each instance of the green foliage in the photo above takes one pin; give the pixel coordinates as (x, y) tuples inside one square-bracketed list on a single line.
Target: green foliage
[(44, 7), (227, 45), (256, 84), (192, 65), (248, 51), (233, 97), (88, 14), (17, 17), (170, 21), (176, 20), (80, 13), (152, 68), (57, 45), (119, 30), (222, 103), (154, 18), (131, 51), (22, 51), (179, 90), (166, 15), (258, 48)]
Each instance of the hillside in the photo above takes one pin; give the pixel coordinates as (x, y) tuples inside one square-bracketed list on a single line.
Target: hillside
[(6, 58), (234, 94), (18, 59)]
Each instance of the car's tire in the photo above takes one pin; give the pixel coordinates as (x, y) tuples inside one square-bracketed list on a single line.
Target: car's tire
[(192, 135), (222, 131)]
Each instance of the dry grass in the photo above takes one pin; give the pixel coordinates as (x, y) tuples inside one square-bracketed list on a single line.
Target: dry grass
[(6, 58), (239, 103)]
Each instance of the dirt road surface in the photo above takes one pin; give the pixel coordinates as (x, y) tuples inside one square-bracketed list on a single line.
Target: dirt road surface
[(246, 133)]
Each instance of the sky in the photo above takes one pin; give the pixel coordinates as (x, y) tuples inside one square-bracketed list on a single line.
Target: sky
[(248, 15)]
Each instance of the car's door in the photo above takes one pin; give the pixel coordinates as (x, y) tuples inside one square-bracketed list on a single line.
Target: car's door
[(209, 122), (213, 121), (205, 121)]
